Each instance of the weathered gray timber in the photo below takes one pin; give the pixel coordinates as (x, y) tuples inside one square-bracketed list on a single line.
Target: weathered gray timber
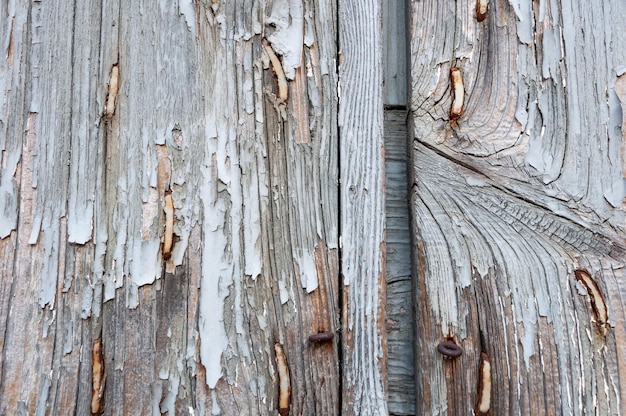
[(513, 194), (362, 207), (190, 190), (106, 108)]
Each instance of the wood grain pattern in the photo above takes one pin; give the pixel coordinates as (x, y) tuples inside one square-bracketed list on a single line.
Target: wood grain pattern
[(362, 207), (254, 186), (525, 189)]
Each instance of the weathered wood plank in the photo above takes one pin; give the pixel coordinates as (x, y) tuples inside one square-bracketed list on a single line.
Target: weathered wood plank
[(522, 189), (254, 181), (362, 207), (34, 155)]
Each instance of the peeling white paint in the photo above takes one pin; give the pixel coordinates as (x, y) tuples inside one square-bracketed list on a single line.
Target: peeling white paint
[(146, 261), (187, 9), (86, 300), (288, 36), (217, 276), (168, 404), (307, 270), (8, 195), (524, 25), (282, 290), (252, 220), (529, 337), (79, 228)]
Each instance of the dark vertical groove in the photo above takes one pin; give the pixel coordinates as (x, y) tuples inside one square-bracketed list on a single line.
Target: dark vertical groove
[(400, 327), (340, 341)]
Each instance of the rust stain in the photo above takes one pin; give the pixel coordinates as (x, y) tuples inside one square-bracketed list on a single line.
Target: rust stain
[(109, 107), (11, 40), (283, 90), (598, 305), (98, 378), (284, 383), (483, 399), (482, 7), (321, 337), (458, 95), (449, 349), (168, 235)]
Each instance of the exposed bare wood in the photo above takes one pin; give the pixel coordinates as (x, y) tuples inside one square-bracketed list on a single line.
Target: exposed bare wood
[(168, 233), (284, 382), (485, 385), (523, 189), (98, 377), (112, 89)]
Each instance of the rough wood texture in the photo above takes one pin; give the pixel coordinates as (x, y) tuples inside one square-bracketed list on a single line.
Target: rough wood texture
[(399, 302), (526, 187), (362, 207), (253, 180)]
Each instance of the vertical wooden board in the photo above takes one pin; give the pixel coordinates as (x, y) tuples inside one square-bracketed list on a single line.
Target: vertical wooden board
[(197, 116), (33, 188), (362, 207), (280, 198), (510, 198)]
